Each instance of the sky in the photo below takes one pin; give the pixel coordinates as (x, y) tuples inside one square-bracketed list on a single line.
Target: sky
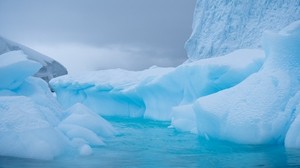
[(101, 34)]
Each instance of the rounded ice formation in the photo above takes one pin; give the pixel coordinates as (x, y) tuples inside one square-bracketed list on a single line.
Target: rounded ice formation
[(33, 124), (261, 109)]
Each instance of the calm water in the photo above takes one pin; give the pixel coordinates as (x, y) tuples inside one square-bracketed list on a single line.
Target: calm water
[(143, 143)]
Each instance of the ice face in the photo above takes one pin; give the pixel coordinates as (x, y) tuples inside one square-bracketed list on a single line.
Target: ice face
[(220, 27), (154, 92), (50, 68)]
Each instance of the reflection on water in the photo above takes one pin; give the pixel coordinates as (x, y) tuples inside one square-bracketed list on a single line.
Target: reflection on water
[(143, 143)]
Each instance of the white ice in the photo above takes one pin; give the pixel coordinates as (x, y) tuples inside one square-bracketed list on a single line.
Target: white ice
[(220, 27), (33, 124), (153, 93)]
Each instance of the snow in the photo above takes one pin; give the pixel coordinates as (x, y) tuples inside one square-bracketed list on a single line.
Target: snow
[(50, 68), (153, 93), (220, 27), (32, 122)]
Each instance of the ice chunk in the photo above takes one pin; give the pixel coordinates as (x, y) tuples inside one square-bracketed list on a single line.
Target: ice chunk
[(258, 110), (85, 150), (78, 132), (81, 116), (184, 118), (15, 68)]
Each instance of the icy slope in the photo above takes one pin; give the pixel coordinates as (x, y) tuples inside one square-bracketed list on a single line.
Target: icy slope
[(33, 124), (50, 68), (153, 93), (220, 27), (261, 109)]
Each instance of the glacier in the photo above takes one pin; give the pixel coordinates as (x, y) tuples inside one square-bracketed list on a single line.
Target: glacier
[(50, 68), (220, 27), (32, 122)]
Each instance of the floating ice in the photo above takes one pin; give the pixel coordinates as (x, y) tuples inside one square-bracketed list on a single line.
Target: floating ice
[(33, 124), (153, 92), (261, 108)]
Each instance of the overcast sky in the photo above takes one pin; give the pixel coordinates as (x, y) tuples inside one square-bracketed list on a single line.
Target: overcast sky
[(101, 34)]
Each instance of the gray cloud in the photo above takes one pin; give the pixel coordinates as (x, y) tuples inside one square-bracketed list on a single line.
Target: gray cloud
[(156, 29)]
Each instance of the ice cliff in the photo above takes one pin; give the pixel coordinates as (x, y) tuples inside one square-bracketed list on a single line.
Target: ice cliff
[(50, 68), (222, 26)]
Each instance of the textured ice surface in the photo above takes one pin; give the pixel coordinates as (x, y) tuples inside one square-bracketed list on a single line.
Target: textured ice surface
[(50, 68), (261, 109), (220, 27), (153, 92), (33, 124)]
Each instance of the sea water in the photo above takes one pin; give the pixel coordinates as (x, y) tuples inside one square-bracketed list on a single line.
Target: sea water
[(144, 143)]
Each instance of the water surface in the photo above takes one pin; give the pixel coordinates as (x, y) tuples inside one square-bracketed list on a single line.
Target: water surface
[(144, 143)]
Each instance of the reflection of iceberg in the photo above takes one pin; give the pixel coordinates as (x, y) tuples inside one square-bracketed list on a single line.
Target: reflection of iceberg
[(32, 123), (50, 68)]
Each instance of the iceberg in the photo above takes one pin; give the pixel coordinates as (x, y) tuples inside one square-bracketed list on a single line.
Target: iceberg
[(32, 122), (220, 27), (50, 68), (244, 97), (153, 93), (262, 109)]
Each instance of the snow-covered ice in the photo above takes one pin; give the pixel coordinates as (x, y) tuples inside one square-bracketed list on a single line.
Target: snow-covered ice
[(33, 124)]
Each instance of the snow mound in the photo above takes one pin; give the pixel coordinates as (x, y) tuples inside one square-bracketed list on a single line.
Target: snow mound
[(220, 27), (260, 109), (33, 124), (153, 93), (50, 68)]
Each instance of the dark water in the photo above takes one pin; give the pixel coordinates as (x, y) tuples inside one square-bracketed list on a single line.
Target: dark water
[(143, 143)]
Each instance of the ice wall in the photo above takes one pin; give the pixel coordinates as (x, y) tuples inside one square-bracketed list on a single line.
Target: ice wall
[(50, 68), (222, 26)]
